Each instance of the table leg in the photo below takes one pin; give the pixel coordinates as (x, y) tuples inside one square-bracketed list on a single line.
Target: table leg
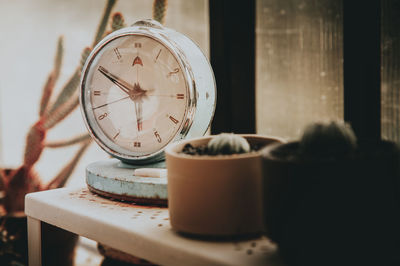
[(34, 242)]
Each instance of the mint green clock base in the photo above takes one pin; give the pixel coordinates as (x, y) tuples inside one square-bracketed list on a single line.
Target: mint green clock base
[(113, 179)]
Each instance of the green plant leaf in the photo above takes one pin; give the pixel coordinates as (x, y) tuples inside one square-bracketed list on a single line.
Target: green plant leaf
[(84, 56), (104, 21), (52, 79), (34, 144), (69, 142), (61, 112), (59, 56), (69, 88), (117, 21), (159, 10)]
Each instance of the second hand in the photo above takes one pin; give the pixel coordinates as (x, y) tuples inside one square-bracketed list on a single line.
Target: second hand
[(110, 102)]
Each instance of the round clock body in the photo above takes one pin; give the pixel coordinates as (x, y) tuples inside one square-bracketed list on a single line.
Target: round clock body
[(143, 87)]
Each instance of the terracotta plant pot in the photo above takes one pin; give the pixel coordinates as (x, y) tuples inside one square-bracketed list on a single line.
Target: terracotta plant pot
[(215, 196), (336, 211)]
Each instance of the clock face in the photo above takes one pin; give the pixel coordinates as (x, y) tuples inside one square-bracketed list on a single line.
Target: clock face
[(135, 95)]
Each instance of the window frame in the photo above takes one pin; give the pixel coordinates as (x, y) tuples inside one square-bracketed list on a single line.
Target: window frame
[(232, 52)]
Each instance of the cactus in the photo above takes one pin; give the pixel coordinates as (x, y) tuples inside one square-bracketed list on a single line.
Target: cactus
[(103, 22), (159, 9), (16, 183), (227, 143), (328, 140), (53, 76), (118, 22)]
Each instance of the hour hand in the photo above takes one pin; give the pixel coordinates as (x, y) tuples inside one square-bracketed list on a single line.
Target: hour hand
[(123, 85)]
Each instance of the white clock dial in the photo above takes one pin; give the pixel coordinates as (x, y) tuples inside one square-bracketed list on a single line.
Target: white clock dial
[(143, 87), (137, 94)]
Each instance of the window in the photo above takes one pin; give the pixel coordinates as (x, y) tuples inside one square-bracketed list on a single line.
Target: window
[(299, 72), (390, 47), (314, 60)]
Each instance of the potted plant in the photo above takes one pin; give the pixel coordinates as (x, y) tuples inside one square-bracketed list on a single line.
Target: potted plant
[(329, 197), (214, 185), (15, 183)]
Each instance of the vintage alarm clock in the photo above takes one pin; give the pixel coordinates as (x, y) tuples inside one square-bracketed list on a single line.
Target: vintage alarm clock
[(143, 87)]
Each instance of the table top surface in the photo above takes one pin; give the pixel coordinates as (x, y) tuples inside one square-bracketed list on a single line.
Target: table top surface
[(141, 230)]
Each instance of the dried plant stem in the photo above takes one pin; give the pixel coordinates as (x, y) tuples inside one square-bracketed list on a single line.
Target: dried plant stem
[(103, 23), (64, 174), (65, 143)]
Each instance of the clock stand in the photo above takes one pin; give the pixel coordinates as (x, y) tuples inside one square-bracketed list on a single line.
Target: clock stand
[(143, 87), (114, 179)]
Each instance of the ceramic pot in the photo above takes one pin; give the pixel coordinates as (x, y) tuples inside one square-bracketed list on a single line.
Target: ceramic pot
[(215, 196), (330, 212)]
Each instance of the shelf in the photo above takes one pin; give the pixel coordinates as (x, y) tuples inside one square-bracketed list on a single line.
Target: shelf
[(139, 230)]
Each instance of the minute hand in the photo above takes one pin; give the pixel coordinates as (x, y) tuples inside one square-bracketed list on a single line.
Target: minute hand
[(123, 85)]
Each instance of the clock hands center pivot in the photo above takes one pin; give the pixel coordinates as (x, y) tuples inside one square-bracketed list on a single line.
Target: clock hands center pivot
[(135, 92)]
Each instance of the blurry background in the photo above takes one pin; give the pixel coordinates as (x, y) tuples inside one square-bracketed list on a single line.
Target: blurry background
[(297, 56), (28, 42), (278, 65), (299, 65), (282, 64)]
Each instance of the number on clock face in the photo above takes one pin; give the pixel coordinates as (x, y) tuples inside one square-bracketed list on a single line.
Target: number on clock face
[(137, 93)]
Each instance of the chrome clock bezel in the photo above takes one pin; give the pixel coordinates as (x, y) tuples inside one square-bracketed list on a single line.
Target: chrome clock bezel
[(154, 30)]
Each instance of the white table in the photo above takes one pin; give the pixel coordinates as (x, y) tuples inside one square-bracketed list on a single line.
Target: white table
[(142, 231)]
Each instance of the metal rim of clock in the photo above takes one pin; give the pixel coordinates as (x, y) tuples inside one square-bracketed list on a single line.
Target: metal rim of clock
[(138, 29)]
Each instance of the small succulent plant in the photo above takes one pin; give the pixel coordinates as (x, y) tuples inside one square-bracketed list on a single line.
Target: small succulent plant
[(328, 140), (228, 143)]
